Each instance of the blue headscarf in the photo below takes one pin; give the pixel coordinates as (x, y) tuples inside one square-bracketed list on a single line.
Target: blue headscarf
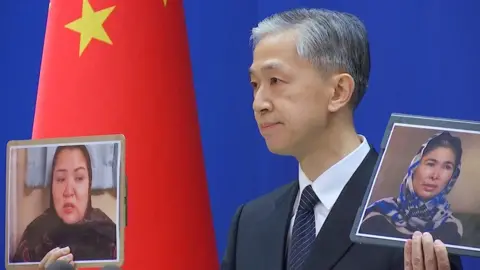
[(410, 212)]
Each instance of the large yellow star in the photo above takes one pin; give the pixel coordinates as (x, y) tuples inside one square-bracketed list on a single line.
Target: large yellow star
[(90, 25)]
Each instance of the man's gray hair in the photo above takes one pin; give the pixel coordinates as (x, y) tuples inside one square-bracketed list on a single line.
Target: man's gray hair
[(332, 41)]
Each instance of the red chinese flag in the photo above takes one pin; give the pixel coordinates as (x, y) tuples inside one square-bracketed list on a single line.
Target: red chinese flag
[(123, 67)]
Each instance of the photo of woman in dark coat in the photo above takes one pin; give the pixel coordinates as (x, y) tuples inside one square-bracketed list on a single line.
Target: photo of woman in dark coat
[(70, 220)]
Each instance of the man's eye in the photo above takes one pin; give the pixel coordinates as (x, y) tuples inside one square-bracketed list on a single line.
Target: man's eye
[(273, 80)]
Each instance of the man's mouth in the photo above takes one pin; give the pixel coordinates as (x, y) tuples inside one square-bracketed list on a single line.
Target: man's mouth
[(269, 125)]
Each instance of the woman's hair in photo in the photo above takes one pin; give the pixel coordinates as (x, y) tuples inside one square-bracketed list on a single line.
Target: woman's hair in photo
[(445, 139), (82, 149)]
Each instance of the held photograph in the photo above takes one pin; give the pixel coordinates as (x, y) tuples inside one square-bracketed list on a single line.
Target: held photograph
[(65, 192), (427, 180)]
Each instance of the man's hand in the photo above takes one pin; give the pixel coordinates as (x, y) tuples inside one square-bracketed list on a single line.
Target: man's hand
[(422, 253), (56, 254)]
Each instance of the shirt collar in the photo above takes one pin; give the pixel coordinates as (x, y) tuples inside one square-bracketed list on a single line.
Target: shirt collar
[(330, 184)]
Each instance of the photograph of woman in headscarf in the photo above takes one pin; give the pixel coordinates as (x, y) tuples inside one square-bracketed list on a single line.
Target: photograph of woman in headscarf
[(70, 220), (422, 204)]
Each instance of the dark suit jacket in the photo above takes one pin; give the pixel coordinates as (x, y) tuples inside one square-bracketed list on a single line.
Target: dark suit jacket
[(257, 238)]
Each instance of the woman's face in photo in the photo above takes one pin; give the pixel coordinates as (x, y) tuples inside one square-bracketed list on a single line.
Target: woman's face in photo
[(434, 172), (70, 185)]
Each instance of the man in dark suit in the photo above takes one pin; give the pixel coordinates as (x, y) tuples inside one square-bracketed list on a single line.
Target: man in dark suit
[(310, 70)]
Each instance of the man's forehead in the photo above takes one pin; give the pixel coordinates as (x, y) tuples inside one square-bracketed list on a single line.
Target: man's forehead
[(267, 65)]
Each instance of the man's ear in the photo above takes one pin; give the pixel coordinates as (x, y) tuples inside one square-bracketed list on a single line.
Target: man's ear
[(344, 86)]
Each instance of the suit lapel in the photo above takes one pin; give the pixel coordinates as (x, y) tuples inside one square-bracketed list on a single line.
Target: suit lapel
[(277, 224), (333, 240)]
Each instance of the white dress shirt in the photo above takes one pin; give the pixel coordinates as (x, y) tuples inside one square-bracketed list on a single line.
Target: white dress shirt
[(330, 184)]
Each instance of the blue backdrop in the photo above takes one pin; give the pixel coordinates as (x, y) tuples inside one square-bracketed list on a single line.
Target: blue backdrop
[(424, 57)]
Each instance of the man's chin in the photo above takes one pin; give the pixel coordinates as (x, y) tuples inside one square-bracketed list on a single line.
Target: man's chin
[(279, 149)]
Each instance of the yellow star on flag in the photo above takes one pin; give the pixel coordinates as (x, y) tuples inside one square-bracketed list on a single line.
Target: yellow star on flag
[(90, 25), (164, 3)]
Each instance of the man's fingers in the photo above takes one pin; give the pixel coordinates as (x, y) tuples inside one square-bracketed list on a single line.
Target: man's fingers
[(44, 260), (442, 255), (429, 258), (421, 253), (407, 255), (57, 254), (54, 255), (67, 258), (417, 252)]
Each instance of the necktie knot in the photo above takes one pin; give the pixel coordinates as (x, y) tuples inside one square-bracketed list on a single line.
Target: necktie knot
[(308, 200)]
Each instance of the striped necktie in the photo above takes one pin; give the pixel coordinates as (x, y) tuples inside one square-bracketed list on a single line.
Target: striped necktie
[(303, 233)]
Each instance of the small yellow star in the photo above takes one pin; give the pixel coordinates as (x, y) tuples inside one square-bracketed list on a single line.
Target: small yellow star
[(165, 3), (90, 25)]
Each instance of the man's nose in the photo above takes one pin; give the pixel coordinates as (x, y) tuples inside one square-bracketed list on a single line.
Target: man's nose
[(261, 103)]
